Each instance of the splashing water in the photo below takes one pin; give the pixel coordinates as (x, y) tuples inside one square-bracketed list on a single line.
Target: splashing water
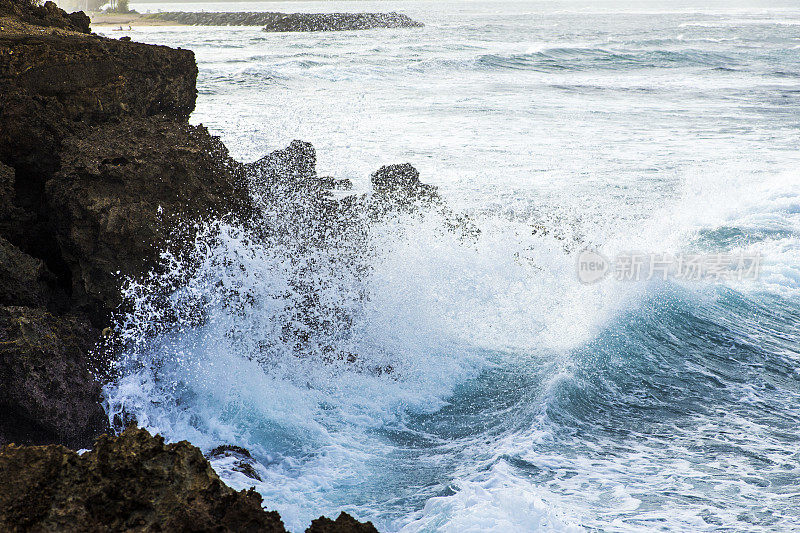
[(506, 374), (430, 382)]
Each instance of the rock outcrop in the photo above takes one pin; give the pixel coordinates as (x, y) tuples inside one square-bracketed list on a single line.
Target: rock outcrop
[(53, 82), (239, 460), (294, 167), (98, 164), (133, 482), (283, 22), (400, 186), (47, 15), (344, 524)]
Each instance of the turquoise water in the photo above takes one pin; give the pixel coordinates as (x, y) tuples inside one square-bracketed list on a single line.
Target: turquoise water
[(521, 400)]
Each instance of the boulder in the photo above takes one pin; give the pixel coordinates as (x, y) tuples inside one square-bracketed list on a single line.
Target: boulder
[(344, 524), (133, 482), (236, 458), (398, 189), (400, 185)]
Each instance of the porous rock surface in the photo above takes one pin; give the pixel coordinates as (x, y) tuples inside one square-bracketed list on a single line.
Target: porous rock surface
[(97, 163), (46, 390), (133, 482)]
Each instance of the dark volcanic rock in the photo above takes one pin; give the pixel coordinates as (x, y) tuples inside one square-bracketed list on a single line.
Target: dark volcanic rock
[(398, 189), (121, 189), (297, 162), (97, 166), (281, 22), (133, 482), (59, 88), (240, 458), (288, 178), (47, 15), (344, 524), (46, 392), (400, 184), (52, 82), (128, 483), (72, 116)]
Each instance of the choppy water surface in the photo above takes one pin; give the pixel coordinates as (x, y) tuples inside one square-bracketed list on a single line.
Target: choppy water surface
[(520, 399)]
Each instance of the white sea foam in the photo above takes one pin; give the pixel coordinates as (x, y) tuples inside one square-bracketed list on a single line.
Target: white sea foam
[(501, 501), (502, 363), (741, 22)]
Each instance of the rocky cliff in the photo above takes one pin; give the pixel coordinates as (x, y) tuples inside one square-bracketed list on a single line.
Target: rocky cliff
[(97, 165)]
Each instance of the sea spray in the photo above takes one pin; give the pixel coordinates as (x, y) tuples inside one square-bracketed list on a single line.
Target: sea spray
[(206, 354), (519, 398)]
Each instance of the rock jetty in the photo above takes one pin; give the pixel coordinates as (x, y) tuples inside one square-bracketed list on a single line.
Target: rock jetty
[(282, 22)]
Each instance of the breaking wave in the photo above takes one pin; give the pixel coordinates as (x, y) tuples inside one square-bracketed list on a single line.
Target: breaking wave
[(435, 380)]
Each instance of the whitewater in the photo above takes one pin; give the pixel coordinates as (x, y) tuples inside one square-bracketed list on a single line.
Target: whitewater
[(518, 399)]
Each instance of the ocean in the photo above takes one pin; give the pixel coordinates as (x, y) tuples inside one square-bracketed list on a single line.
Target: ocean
[(520, 399)]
